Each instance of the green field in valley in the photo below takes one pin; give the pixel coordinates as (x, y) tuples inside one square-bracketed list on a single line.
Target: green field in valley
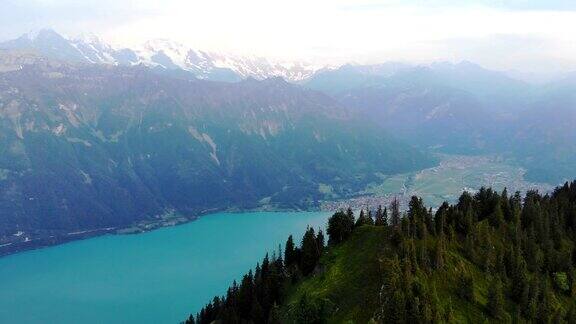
[(445, 182)]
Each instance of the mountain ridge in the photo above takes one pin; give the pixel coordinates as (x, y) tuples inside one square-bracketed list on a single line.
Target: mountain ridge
[(490, 257), (86, 147), (465, 109), (89, 48)]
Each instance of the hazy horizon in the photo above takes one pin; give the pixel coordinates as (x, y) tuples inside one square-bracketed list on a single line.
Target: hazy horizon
[(417, 157), (526, 36)]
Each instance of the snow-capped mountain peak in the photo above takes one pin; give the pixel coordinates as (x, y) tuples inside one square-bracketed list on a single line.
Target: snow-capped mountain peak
[(176, 52), (36, 34), (94, 49), (89, 38), (164, 53)]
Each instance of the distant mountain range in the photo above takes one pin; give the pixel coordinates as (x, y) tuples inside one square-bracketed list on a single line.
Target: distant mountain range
[(465, 109), (93, 137), (86, 147), (457, 107), (161, 53)]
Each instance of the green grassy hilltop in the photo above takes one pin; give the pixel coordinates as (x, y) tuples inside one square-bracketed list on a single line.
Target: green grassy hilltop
[(489, 258), (350, 277)]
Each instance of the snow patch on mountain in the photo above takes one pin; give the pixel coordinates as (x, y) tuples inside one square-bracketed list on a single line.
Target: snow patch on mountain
[(164, 53)]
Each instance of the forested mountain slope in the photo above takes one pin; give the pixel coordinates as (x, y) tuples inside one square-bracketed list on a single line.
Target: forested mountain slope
[(84, 147), (491, 257)]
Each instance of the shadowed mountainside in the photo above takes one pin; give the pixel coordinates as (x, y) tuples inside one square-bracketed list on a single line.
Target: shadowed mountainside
[(88, 146)]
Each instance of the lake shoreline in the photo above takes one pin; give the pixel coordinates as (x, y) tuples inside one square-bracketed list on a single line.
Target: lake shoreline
[(140, 227), (158, 277), (455, 172)]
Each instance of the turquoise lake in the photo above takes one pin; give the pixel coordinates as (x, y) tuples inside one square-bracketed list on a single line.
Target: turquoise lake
[(155, 277)]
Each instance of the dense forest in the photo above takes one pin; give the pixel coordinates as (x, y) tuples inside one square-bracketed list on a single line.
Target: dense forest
[(491, 257)]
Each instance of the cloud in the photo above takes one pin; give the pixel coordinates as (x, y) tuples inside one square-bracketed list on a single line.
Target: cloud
[(550, 5), (511, 33), (528, 53), (68, 16)]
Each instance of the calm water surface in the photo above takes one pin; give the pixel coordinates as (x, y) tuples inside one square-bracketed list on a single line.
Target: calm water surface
[(156, 277)]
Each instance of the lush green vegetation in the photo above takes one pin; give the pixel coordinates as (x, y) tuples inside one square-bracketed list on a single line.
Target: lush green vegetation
[(445, 181), (188, 149), (490, 257)]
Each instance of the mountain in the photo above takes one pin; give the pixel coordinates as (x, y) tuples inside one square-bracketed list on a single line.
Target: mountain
[(159, 53), (349, 76), (456, 108), (489, 258), (465, 109), (544, 138), (92, 147), (48, 43)]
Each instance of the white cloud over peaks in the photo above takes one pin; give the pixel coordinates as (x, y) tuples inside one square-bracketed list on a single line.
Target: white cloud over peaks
[(332, 30)]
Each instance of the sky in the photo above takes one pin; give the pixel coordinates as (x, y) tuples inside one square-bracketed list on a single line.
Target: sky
[(532, 36)]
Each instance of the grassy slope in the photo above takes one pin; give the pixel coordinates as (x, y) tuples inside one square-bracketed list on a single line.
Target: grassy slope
[(351, 280)]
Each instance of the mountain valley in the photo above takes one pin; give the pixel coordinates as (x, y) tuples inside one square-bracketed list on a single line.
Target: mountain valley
[(126, 140), (97, 148)]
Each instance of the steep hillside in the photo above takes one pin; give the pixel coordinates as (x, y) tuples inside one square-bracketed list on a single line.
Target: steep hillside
[(544, 138), (427, 106), (488, 258), (348, 279), (465, 109), (429, 116), (86, 147)]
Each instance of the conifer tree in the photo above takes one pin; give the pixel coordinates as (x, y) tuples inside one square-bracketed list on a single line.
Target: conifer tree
[(439, 254), (466, 287), (495, 299), (310, 252), (440, 219), (290, 254), (395, 212), (246, 296), (308, 311), (274, 317), (257, 313), (320, 241), (545, 306), (518, 275), (506, 206), (349, 216), (369, 217), (361, 219), (496, 218), (340, 226), (381, 217), (392, 296), (570, 317), (365, 218)]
